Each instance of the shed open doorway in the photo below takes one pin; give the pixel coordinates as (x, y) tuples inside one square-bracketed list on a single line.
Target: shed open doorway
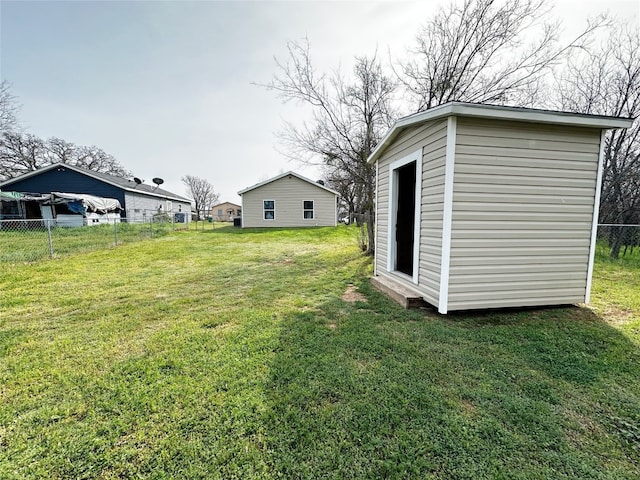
[(405, 217), (405, 175)]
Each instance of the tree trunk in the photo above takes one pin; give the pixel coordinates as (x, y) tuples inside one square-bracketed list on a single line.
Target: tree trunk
[(370, 219)]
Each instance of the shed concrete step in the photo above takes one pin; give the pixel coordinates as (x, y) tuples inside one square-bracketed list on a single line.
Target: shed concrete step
[(402, 294)]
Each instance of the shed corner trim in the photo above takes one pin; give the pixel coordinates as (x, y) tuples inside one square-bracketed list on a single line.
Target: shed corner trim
[(375, 225), (447, 218), (596, 210)]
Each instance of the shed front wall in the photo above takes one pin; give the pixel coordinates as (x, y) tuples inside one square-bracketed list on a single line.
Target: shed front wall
[(289, 193), (523, 201), (431, 139)]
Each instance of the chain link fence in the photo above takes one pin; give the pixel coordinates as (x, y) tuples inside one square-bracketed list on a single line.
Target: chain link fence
[(619, 240), (33, 240)]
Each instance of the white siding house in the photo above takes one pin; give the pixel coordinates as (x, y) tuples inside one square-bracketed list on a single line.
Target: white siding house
[(288, 200), (141, 207), (483, 206)]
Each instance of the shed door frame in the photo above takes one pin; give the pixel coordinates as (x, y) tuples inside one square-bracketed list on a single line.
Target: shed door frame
[(416, 157)]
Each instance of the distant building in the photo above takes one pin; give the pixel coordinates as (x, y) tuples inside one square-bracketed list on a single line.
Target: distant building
[(288, 200), (225, 212), (139, 201)]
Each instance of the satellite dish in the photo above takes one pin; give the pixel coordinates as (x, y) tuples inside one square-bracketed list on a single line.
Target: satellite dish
[(158, 181), (320, 182), (137, 180)]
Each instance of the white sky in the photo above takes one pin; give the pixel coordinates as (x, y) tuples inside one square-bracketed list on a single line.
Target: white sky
[(166, 88)]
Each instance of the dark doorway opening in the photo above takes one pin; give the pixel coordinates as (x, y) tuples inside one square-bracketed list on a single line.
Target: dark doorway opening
[(405, 217), (32, 210)]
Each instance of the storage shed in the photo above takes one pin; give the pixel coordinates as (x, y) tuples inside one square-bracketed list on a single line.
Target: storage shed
[(289, 200), (482, 206)]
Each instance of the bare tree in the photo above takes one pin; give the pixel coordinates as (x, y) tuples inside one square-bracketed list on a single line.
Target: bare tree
[(350, 193), (96, 159), (9, 108), (606, 80), (59, 150), (202, 193), (91, 158), (349, 118), (21, 153), (485, 51)]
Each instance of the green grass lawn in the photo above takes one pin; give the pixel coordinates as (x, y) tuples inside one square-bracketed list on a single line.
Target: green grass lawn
[(230, 353)]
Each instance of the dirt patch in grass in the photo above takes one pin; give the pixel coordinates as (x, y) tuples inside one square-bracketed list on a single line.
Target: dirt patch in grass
[(580, 426), (617, 316), (468, 407), (352, 295)]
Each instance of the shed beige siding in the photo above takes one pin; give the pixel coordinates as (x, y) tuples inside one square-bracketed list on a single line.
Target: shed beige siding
[(288, 192), (523, 200), (431, 138)]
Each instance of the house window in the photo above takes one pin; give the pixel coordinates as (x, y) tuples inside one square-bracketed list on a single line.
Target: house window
[(269, 207), (307, 207), (219, 212)]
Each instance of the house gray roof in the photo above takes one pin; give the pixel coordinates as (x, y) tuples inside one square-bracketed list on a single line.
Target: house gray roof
[(498, 112), (282, 175), (121, 182)]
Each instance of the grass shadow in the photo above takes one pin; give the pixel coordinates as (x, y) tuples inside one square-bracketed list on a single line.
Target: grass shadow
[(370, 390)]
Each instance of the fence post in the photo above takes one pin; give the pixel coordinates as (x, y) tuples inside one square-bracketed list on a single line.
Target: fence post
[(50, 240), (115, 231)]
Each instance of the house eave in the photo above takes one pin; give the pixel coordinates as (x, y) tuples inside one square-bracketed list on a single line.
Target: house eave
[(152, 194)]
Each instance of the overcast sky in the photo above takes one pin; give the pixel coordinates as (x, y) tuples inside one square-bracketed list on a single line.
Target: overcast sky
[(166, 88)]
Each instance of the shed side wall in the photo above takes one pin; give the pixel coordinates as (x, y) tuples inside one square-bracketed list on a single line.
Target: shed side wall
[(289, 193), (431, 138), (522, 212)]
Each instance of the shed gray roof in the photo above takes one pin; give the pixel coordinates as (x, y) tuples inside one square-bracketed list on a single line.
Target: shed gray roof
[(120, 182), (498, 112), (278, 177)]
